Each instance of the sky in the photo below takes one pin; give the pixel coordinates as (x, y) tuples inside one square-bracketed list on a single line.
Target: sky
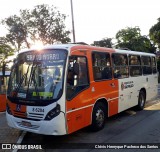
[(94, 19)]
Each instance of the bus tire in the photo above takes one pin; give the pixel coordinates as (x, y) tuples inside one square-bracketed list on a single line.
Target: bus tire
[(98, 117), (141, 100)]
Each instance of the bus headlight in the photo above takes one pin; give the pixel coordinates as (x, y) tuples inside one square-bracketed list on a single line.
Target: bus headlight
[(8, 109), (53, 113)]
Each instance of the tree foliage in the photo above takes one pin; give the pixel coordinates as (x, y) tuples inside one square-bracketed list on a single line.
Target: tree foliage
[(17, 31), (5, 51), (43, 23), (154, 33), (132, 39), (106, 42)]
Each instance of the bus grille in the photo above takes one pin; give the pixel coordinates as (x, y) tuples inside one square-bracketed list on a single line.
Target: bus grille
[(35, 116), (30, 116)]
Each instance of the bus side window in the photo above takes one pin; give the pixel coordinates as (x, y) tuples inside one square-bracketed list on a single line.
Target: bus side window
[(135, 65), (77, 78), (101, 66), (120, 64), (146, 65)]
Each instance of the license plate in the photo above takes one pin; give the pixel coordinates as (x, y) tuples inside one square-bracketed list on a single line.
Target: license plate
[(26, 124)]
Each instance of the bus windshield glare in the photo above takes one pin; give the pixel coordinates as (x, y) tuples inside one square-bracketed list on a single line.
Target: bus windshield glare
[(37, 75)]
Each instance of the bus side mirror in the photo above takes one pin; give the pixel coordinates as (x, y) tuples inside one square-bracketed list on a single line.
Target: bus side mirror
[(76, 68)]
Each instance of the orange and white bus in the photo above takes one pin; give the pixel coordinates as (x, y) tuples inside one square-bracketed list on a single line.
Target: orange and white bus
[(62, 88)]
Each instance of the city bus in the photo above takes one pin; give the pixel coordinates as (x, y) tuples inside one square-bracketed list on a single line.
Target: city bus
[(3, 88), (60, 89)]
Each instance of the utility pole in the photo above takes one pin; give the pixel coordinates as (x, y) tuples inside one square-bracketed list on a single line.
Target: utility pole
[(73, 30)]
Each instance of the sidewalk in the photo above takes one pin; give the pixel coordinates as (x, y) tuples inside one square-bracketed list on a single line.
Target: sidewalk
[(7, 134)]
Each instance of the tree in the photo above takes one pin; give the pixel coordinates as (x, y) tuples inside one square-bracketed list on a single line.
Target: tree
[(46, 24), (106, 42), (154, 33), (5, 51), (17, 31), (43, 23), (132, 39), (124, 37)]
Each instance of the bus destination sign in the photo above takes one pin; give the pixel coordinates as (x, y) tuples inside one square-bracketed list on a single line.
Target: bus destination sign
[(43, 57)]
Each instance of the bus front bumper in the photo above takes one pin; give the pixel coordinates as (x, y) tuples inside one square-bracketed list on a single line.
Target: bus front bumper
[(56, 126)]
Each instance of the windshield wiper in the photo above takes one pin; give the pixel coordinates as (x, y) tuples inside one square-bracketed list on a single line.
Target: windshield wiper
[(32, 78), (21, 81)]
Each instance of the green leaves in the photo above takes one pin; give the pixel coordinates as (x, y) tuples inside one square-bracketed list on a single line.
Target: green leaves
[(106, 42), (129, 38), (5, 51), (154, 33), (132, 39), (43, 23)]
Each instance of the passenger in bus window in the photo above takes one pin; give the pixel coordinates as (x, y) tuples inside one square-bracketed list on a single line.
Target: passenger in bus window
[(97, 73), (117, 73), (120, 66), (48, 83), (82, 78), (124, 68), (124, 61), (70, 78), (107, 73), (57, 74)]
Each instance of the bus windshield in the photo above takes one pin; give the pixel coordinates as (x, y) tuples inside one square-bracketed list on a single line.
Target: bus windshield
[(37, 75)]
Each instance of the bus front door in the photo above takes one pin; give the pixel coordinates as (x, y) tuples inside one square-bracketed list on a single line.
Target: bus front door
[(79, 100)]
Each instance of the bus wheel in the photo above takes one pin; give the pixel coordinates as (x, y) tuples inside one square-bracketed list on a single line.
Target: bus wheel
[(98, 117), (141, 100)]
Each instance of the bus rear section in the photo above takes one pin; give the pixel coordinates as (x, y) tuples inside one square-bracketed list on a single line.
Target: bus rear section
[(3, 88), (137, 76), (62, 89)]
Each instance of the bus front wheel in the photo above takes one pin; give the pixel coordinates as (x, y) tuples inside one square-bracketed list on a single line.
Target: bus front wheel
[(98, 117)]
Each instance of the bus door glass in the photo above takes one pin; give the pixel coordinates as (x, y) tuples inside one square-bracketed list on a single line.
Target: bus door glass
[(78, 95)]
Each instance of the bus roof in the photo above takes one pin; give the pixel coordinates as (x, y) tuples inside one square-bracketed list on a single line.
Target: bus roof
[(54, 46), (82, 46), (133, 52)]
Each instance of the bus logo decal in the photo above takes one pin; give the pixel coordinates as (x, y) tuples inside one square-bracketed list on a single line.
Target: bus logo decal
[(126, 85)]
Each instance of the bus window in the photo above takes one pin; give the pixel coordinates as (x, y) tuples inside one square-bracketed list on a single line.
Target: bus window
[(101, 66), (77, 78), (135, 65), (146, 65), (120, 63), (38, 75), (154, 69)]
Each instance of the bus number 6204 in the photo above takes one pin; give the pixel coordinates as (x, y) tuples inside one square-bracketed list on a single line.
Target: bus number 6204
[(37, 110)]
